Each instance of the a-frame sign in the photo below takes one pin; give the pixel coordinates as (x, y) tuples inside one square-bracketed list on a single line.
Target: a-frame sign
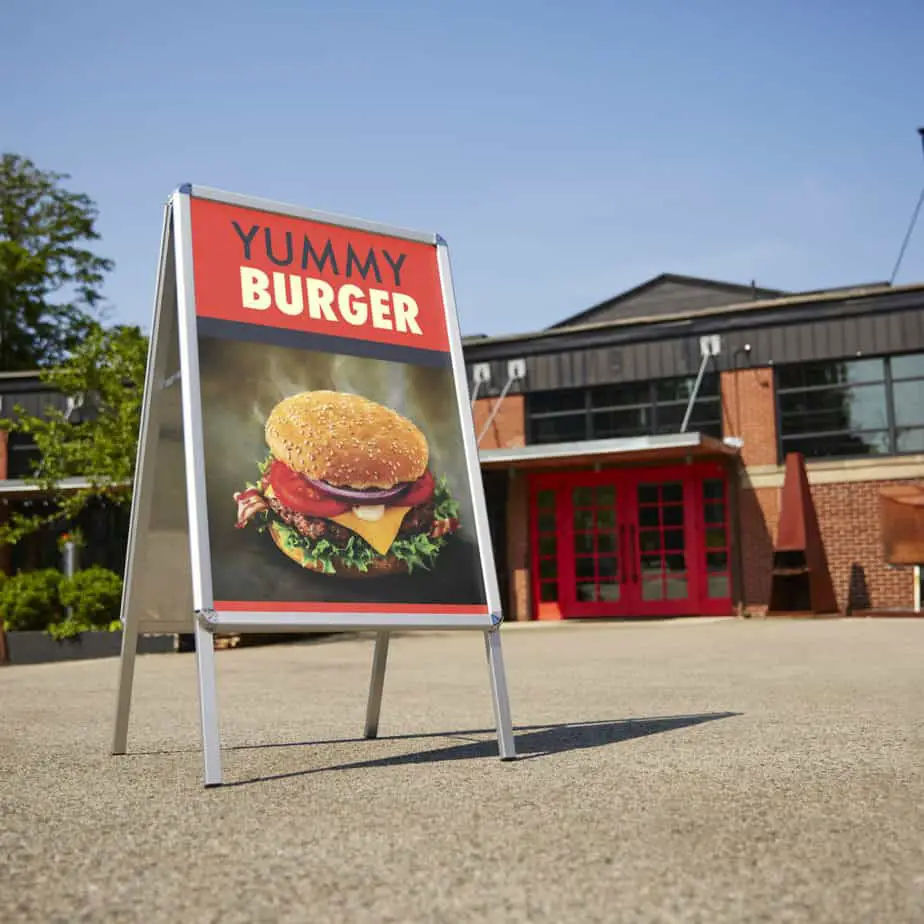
[(307, 459)]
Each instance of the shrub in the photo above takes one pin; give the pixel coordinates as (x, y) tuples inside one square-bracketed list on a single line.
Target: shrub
[(93, 597), (31, 600)]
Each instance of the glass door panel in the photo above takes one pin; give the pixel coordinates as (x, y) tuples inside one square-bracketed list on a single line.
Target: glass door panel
[(662, 543), (546, 556), (715, 522), (595, 544)]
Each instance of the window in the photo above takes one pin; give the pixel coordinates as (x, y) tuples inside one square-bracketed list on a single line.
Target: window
[(22, 456), (855, 407), (624, 410)]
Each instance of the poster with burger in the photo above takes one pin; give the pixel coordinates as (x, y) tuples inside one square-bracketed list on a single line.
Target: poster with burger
[(338, 477), (346, 489), (334, 479)]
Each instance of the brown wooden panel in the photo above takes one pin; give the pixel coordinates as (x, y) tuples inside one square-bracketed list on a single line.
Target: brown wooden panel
[(901, 510)]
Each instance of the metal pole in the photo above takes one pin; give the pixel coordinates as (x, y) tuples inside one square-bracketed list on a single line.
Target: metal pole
[(499, 698), (70, 565), (374, 705), (208, 704), (126, 679), (911, 226), (699, 380), (496, 408)]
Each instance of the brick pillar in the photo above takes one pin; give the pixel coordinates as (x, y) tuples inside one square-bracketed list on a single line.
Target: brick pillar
[(749, 412), (758, 517), (508, 429), (518, 606)]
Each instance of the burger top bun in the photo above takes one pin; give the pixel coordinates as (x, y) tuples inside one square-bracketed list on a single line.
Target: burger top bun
[(346, 440)]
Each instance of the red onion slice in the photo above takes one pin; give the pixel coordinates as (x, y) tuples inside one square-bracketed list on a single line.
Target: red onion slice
[(370, 496)]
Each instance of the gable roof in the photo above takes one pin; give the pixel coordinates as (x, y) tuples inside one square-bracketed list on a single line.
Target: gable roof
[(739, 292)]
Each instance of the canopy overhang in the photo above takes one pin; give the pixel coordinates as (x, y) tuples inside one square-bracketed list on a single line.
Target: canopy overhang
[(666, 447)]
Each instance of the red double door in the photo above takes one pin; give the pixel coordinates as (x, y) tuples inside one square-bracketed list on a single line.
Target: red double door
[(646, 542)]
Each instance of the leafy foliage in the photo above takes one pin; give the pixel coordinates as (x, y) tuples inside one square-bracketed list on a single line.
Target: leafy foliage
[(31, 600), (104, 378), (49, 280), (37, 600), (93, 597)]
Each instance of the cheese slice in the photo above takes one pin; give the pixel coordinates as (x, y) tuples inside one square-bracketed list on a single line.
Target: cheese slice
[(380, 534)]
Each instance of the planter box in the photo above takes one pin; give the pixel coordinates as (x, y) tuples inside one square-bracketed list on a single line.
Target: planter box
[(38, 648)]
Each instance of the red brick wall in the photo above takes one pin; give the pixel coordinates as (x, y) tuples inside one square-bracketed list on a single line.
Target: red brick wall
[(508, 429), (758, 514), (849, 518), (848, 515), (749, 412), (519, 604)]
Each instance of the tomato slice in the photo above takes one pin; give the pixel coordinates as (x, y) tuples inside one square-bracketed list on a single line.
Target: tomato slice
[(419, 492), (293, 491)]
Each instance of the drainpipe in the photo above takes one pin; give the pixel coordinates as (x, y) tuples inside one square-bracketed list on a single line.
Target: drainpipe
[(917, 588)]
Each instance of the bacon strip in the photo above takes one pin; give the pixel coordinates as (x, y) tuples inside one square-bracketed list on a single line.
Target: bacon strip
[(249, 504)]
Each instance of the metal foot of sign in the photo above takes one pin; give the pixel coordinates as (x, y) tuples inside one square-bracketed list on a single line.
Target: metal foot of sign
[(377, 682), (499, 697), (307, 459), (208, 704)]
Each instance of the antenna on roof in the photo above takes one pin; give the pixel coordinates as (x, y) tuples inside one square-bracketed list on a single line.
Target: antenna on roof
[(910, 231)]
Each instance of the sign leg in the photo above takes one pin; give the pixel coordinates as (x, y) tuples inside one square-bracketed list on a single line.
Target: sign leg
[(126, 682), (208, 705), (499, 698), (374, 706)]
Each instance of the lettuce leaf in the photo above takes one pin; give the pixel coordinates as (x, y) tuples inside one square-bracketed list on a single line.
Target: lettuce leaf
[(417, 552)]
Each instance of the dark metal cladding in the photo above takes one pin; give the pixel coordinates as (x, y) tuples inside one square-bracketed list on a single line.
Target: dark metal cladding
[(880, 323)]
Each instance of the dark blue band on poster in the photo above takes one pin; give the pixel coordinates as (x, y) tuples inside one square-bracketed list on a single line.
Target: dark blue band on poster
[(298, 340)]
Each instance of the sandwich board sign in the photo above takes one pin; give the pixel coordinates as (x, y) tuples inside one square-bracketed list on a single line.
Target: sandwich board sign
[(307, 458)]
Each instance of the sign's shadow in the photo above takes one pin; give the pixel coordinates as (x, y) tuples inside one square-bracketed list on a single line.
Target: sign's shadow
[(532, 741)]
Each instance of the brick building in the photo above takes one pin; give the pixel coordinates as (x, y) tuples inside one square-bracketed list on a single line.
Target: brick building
[(602, 503)]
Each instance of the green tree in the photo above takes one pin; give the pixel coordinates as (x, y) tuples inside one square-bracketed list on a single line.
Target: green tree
[(94, 437), (49, 280)]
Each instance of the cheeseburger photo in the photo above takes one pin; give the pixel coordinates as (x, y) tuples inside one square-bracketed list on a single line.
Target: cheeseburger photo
[(346, 488)]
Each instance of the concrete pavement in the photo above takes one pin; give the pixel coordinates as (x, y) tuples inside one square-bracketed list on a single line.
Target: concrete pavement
[(722, 771)]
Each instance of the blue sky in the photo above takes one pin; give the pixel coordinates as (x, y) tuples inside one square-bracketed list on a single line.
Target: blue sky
[(567, 151)]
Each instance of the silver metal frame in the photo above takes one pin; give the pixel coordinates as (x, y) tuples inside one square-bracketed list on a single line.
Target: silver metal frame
[(376, 683), (348, 622), (297, 211), (207, 621), (464, 410), (141, 504)]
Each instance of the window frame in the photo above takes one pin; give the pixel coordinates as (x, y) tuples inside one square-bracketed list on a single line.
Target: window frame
[(651, 406), (892, 430)]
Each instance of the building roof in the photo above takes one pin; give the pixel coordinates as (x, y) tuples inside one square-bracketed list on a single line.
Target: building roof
[(722, 290), (817, 301)]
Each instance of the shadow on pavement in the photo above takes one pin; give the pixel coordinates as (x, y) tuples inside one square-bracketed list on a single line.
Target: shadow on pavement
[(531, 741)]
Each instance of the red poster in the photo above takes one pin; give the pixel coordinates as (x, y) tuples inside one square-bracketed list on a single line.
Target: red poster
[(335, 465)]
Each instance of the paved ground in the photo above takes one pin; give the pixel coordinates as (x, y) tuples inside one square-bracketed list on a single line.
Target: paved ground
[(722, 771)]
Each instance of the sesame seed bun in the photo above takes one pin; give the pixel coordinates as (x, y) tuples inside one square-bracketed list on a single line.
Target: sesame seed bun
[(378, 567), (346, 440)]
